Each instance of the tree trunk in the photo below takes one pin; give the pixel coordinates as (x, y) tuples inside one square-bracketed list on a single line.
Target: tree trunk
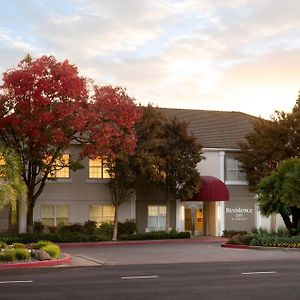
[(115, 234), (30, 218), (287, 222)]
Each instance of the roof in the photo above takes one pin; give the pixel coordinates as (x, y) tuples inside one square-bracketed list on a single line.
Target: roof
[(215, 129)]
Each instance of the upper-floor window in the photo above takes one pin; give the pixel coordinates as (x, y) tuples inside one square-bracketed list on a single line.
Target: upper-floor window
[(233, 172), (61, 168), (98, 169)]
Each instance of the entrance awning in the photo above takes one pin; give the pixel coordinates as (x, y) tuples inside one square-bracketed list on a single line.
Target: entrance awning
[(212, 189)]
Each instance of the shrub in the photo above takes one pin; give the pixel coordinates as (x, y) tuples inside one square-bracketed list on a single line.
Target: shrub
[(282, 231), (41, 244), (156, 235), (3, 245), (106, 230), (52, 249), (231, 233), (7, 255), (90, 227), (18, 246), (52, 229), (22, 254), (38, 227), (76, 227), (127, 227)]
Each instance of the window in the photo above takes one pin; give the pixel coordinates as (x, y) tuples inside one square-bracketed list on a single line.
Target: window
[(2, 163), (233, 172), (61, 168), (102, 213), (53, 215), (98, 169), (157, 215)]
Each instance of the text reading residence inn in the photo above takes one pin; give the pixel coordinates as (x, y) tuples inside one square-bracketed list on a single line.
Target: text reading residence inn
[(223, 201)]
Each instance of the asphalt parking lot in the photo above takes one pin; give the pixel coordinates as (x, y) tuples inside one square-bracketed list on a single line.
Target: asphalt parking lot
[(162, 253)]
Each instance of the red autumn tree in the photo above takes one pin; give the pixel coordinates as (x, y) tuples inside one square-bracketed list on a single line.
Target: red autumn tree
[(117, 139), (44, 106)]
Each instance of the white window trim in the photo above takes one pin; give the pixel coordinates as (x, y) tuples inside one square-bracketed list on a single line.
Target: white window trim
[(148, 229), (230, 182), (55, 216)]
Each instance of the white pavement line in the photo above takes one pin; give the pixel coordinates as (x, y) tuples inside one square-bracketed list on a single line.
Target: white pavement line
[(253, 273), (16, 281), (139, 277)]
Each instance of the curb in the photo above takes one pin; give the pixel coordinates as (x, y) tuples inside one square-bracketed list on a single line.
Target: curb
[(135, 243), (67, 259), (234, 246)]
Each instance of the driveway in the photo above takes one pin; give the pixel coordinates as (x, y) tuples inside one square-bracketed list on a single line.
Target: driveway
[(170, 253)]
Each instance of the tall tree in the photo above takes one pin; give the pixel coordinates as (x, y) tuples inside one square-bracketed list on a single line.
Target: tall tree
[(279, 192), (269, 143), (119, 114), (12, 188), (44, 106), (179, 155)]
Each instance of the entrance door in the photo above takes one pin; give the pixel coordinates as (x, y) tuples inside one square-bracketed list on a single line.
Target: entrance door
[(194, 221)]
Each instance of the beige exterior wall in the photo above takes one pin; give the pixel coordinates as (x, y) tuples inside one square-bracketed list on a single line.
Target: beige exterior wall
[(79, 192), (240, 210), (210, 166), (154, 198)]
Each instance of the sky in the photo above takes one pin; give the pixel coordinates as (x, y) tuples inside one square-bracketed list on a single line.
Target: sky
[(237, 55)]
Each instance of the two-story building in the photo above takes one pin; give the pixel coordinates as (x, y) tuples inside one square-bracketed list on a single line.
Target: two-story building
[(224, 201)]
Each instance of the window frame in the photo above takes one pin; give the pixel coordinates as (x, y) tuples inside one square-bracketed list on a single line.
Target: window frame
[(236, 170), (157, 216), (103, 218), (58, 170), (55, 217), (100, 170)]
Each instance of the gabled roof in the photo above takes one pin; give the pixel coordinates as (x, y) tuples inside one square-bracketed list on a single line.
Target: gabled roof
[(215, 129)]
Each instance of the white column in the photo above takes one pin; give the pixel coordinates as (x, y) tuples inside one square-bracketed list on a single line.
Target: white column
[(220, 206), (179, 216), (133, 207)]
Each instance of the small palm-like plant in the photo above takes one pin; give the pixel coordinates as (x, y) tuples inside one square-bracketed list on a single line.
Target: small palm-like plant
[(12, 188)]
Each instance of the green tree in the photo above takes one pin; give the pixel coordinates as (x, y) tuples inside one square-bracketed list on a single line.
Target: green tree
[(179, 155), (12, 188), (279, 192), (165, 158), (134, 171), (269, 143)]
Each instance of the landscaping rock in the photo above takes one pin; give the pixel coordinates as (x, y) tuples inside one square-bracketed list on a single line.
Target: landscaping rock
[(41, 255)]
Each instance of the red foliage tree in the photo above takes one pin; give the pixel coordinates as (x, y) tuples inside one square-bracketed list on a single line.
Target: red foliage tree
[(45, 105)]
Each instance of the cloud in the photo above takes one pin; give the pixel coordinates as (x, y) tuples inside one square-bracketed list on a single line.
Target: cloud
[(182, 53)]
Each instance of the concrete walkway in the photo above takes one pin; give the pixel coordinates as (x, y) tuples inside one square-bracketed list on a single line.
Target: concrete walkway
[(168, 251)]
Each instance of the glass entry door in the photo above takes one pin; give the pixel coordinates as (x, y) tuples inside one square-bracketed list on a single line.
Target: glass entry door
[(195, 219)]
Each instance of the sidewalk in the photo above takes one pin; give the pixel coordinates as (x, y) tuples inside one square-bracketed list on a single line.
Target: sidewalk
[(202, 239)]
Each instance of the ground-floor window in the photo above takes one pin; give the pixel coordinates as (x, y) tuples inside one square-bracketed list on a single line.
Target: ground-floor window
[(54, 215), (157, 216), (101, 213)]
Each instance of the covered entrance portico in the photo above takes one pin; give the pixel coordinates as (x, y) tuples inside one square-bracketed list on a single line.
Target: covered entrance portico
[(201, 214)]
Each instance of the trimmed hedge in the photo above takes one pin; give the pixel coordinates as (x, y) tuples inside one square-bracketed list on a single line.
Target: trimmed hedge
[(156, 235), (102, 235)]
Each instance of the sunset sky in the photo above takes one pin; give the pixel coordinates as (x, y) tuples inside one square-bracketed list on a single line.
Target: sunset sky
[(237, 55)]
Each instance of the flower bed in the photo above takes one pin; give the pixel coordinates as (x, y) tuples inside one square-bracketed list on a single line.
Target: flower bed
[(266, 240), (18, 252)]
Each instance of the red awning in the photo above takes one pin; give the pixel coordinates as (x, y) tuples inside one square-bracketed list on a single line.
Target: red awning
[(212, 189)]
